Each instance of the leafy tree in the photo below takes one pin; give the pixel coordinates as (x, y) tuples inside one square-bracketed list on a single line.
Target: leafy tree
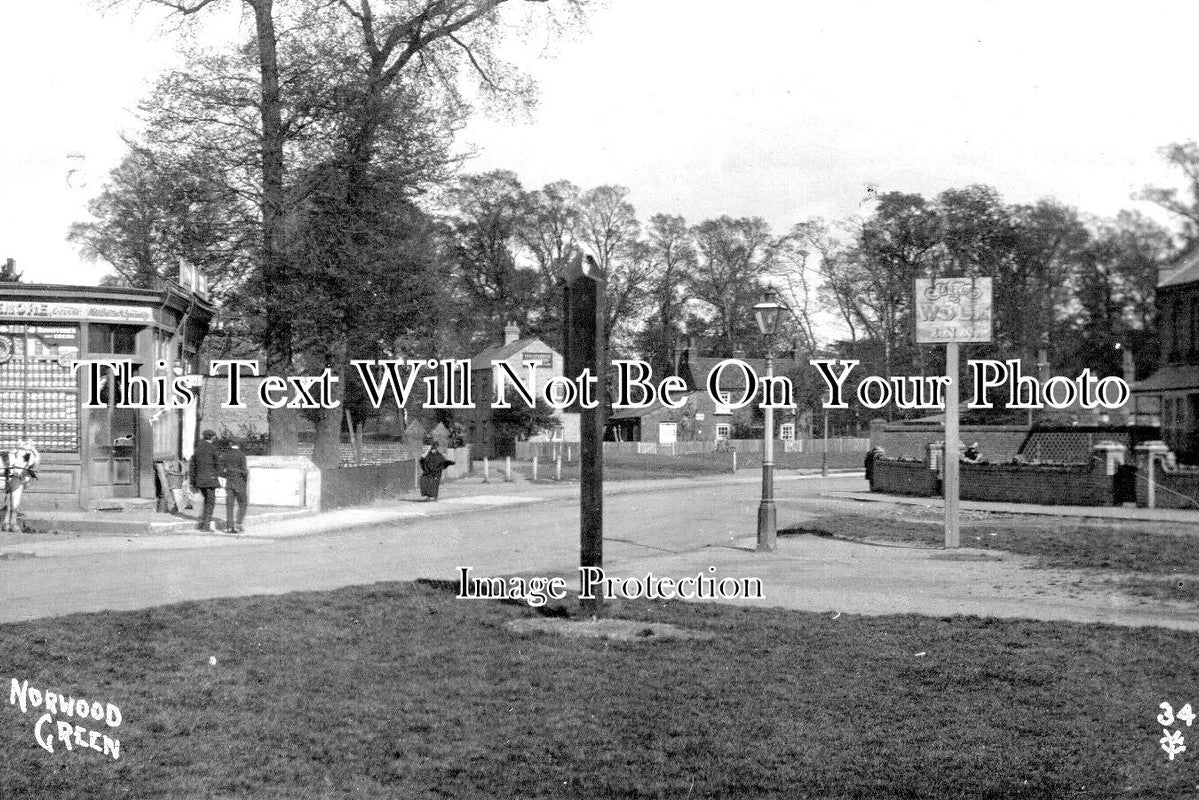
[(325, 86), (519, 422), (484, 248), (671, 259), (734, 258)]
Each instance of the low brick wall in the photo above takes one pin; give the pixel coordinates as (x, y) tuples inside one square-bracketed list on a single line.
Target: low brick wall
[(904, 477), (355, 486), (1039, 484), (388, 453), (1179, 489)]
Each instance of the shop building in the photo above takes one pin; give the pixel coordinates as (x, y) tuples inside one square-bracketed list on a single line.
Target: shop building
[(91, 454)]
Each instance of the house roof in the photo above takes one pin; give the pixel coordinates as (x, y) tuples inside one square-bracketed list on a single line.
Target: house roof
[(731, 377), (503, 352), (1169, 379), (1184, 270)]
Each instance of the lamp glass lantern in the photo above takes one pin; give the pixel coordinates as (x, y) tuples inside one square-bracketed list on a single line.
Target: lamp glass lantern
[(767, 314)]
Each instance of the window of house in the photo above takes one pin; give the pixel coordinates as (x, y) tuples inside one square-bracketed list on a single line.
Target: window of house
[(723, 432), (787, 431), (723, 406)]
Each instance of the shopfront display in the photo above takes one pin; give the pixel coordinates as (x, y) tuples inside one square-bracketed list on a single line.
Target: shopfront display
[(92, 453)]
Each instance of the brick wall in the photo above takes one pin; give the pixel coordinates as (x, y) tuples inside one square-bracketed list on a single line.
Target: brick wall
[(998, 443), (354, 486), (1040, 484), (389, 452), (904, 477), (1179, 489), (235, 421)]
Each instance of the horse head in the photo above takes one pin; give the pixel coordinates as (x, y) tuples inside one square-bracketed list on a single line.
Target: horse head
[(19, 462)]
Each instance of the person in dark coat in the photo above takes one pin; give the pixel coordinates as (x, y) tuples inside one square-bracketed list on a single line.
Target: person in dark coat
[(431, 466), (206, 474), (237, 478)]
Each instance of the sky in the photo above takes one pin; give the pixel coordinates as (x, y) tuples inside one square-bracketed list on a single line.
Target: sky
[(784, 110)]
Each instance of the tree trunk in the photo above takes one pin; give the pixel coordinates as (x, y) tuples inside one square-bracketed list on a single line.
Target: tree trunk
[(277, 341)]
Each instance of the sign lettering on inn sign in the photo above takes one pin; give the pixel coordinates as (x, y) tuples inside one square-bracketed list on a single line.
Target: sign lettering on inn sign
[(953, 310)]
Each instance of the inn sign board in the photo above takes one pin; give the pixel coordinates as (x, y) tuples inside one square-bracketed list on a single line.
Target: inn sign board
[(953, 310)]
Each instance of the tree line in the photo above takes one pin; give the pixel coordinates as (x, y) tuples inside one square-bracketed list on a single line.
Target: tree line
[(309, 172)]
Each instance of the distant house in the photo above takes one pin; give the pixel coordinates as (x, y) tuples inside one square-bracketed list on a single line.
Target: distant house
[(480, 429), (1172, 392), (704, 417)]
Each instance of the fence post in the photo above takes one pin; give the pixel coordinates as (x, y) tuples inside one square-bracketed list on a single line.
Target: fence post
[(508, 468), (485, 469), (558, 467), (534, 467), (734, 462), (1152, 494)]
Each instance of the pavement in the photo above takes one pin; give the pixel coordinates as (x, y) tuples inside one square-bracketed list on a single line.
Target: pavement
[(666, 527)]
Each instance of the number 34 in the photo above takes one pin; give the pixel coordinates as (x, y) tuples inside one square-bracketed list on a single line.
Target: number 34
[(1167, 717)]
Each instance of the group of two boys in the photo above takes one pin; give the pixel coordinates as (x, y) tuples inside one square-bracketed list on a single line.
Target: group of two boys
[(211, 469)]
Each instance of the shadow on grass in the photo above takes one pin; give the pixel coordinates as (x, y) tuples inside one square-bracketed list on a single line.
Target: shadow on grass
[(400, 690)]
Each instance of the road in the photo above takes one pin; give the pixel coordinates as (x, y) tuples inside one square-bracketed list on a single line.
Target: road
[(682, 528)]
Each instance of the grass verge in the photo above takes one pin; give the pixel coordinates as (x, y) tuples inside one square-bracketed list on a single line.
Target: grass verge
[(399, 690)]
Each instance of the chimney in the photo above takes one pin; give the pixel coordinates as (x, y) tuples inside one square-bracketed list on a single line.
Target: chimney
[(1129, 367), (511, 333)]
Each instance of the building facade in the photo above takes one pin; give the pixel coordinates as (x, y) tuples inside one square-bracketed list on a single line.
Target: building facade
[(1172, 392), (704, 417), (480, 431), (94, 453)]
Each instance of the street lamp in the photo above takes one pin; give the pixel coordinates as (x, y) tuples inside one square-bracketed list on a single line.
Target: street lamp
[(767, 315)]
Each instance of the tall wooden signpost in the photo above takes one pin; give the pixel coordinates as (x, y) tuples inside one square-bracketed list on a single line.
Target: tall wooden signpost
[(952, 311), (583, 321)]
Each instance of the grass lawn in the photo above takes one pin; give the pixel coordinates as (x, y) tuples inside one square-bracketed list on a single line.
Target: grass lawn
[(401, 691)]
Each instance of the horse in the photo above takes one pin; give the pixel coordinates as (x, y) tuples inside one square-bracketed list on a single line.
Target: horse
[(20, 467)]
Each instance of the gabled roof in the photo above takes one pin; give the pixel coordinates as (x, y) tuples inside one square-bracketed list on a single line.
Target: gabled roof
[(1184, 270), (502, 352), (1170, 379)]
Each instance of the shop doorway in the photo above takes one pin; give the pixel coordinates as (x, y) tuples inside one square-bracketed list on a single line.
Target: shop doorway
[(112, 445)]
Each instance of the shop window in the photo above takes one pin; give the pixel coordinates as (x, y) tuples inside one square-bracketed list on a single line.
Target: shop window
[(724, 432), (118, 340), (39, 400)]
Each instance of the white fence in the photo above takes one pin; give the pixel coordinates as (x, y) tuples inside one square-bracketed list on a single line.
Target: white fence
[(570, 450)]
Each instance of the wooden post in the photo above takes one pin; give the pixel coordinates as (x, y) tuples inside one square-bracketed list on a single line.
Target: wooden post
[(583, 323), (486, 471), (734, 462), (508, 468), (824, 451), (558, 467), (951, 446), (1151, 487), (534, 468)]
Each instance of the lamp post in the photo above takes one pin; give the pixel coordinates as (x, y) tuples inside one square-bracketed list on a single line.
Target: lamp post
[(766, 313)]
